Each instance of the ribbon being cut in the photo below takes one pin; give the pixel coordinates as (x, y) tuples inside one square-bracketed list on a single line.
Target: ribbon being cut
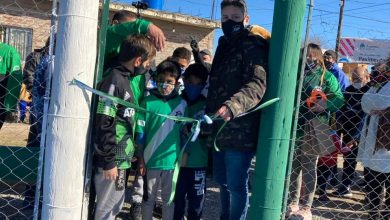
[(195, 123)]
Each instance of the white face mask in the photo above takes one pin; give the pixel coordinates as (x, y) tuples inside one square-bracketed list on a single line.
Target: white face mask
[(357, 85)]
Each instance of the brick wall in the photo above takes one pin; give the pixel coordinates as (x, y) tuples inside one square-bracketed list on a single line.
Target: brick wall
[(40, 26), (181, 37)]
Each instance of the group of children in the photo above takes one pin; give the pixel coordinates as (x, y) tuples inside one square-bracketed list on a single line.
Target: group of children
[(122, 133)]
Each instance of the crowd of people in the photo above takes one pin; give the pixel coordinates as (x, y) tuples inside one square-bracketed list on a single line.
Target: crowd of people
[(360, 107), (235, 82)]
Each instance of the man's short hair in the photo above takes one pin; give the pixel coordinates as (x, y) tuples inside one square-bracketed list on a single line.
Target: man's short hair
[(121, 16), (136, 46), (169, 66), (236, 3), (182, 53), (197, 70), (331, 53)]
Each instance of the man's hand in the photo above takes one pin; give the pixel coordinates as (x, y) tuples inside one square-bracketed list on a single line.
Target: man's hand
[(141, 167), (157, 36), (194, 45), (111, 174), (224, 112)]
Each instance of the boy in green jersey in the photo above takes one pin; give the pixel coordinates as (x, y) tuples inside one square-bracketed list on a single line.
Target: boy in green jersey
[(113, 139), (192, 176), (158, 138)]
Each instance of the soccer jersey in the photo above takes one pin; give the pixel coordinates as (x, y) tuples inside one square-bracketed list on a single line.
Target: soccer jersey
[(197, 152), (162, 136), (113, 137)]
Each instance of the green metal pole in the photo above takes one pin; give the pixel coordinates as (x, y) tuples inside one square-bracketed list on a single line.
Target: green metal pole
[(102, 40), (275, 126), (297, 105), (90, 193)]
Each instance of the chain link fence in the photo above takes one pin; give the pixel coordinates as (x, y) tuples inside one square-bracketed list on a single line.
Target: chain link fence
[(24, 32), (341, 160)]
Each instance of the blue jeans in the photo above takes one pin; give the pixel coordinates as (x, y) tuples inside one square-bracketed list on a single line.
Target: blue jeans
[(190, 187), (230, 169), (22, 108)]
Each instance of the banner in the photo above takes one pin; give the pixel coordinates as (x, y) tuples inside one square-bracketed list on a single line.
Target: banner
[(363, 50)]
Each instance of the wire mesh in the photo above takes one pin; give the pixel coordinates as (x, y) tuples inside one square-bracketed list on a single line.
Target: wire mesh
[(341, 160), (24, 30)]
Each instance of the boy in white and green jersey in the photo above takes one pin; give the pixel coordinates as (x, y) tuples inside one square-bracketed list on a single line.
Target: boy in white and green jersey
[(158, 138), (192, 176)]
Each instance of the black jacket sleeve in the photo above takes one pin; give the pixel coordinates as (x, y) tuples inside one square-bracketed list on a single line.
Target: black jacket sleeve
[(198, 59), (105, 126)]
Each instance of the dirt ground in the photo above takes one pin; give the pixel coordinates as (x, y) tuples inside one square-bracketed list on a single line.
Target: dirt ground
[(11, 196), (14, 134)]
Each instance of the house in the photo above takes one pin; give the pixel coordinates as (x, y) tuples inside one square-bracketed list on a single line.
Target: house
[(25, 24)]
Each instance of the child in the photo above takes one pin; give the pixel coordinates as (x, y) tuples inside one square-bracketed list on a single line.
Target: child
[(182, 56), (113, 140), (192, 176), (25, 99), (158, 138), (325, 166)]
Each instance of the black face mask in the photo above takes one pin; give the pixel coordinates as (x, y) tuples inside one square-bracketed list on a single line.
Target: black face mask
[(310, 65), (328, 64), (231, 28), (141, 70)]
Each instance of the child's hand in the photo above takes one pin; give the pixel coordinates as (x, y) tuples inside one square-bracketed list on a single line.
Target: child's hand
[(184, 160), (351, 143), (110, 174), (141, 167)]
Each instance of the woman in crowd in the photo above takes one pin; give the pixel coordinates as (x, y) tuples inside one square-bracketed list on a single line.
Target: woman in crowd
[(374, 146), (317, 78)]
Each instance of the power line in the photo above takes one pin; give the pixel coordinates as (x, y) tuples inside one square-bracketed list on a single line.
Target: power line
[(354, 16), (372, 6)]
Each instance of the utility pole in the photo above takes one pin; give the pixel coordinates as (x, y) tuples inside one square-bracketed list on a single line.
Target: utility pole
[(341, 16), (69, 111), (276, 120), (212, 10)]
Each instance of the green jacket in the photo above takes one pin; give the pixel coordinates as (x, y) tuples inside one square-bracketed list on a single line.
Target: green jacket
[(115, 35), (330, 87), (10, 75)]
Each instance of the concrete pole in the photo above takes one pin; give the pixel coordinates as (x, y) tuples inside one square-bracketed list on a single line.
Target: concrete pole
[(69, 111), (276, 120)]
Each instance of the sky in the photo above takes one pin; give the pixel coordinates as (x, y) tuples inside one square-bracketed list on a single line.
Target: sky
[(362, 18)]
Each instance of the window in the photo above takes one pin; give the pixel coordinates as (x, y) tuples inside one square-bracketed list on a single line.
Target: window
[(20, 38)]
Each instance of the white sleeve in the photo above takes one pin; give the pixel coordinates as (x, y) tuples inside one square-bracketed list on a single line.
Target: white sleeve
[(373, 100)]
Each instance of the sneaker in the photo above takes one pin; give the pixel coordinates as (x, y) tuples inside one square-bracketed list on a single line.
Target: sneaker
[(344, 192), (291, 209), (136, 211), (302, 214), (157, 210)]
